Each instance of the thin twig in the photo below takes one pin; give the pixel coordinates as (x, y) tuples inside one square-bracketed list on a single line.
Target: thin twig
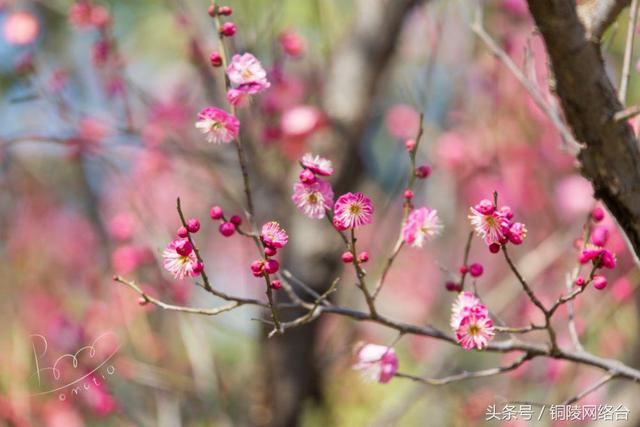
[(465, 375), (405, 210), (602, 381), (528, 85), (171, 307), (465, 260), (628, 52), (360, 274)]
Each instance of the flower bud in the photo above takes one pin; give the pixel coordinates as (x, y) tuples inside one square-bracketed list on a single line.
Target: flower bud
[(193, 225), (225, 10), (216, 59), (363, 257), (423, 171), (599, 282), (476, 269), (216, 212), (235, 220), (184, 248), (597, 214), (347, 257), (276, 284), (599, 235), (269, 251), (228, 29), (227, 229), (410, 144), (257, 267), (198, 268), (271, 266), (182, 232), (307, 177), (452, 286)]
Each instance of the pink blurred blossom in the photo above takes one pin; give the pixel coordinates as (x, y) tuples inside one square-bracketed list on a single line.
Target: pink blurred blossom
[(402, 121), (292, 43), (301, 121), (573, 197), (21, 28)]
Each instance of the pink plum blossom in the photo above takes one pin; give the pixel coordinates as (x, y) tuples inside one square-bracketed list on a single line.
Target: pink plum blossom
[(421, 224), (464, 305), (475, 331), (292, 43), (21, 28), (353, 210), (316, 164), (246, 74), (273, 235), (312, 200), (489, 223), (377, 363), (218, 125), (180, 266), (300, 121)]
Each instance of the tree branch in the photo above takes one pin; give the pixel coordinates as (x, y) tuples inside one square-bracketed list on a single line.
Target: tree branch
[(610, 158)]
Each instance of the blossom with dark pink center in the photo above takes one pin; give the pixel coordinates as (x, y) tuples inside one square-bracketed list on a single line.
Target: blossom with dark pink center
[(312, 200), (246, 74), (353, 210), (316, 164), (180, 266), (488, 222), (421, 224), (218, 125), (377, 363), (273, 235), (466, 304), (475, 331)]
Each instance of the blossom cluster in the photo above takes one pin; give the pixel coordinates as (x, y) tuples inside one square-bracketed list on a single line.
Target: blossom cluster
[(596, 253), (495, 226), (246, 77), (273, 237), (470, 321), (179, 257), (377, 363), (312, 195)]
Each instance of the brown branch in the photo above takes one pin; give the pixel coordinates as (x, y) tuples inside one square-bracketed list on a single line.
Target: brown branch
[(465, 375), (602, 381), (610, 158), (171, 307)]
